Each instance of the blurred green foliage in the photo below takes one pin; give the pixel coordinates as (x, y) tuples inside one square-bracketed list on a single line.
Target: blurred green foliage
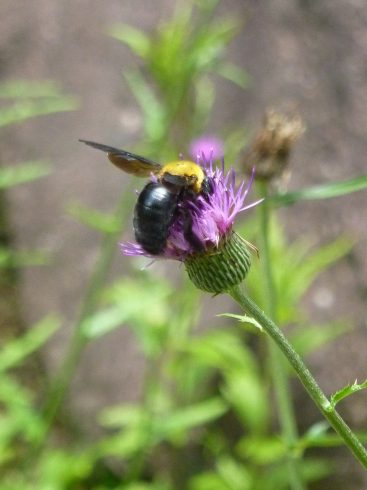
[(174, 88), (27, 99), (204, 420)]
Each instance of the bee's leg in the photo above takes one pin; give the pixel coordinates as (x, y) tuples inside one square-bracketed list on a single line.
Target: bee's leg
[(189, 235)]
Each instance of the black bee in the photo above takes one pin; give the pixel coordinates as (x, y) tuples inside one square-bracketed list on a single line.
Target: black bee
[(161, 202)]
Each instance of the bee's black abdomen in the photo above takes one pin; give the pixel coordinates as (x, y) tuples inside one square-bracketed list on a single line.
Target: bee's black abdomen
[(153, 215)]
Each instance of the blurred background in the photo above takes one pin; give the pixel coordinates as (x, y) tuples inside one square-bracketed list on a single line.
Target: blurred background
[(303, 56)]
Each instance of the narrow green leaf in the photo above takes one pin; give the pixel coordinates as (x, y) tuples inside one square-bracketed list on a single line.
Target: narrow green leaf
[(25, 258), (189, 417), (205, 95), (322, 191), (221, 350), (308, 339), (25, 109), (93, 218), (327, 440), (13, 352), (247, 395), (121, 415), (221, 32), (243, 319), (137, 41), (344, 392), (154, 113), (130, 295), (59, 469), (103, 322), (234, 474), (204, 481), (277, 476), (234, 74), (19, 417), (206, 5), (125, 444), (23, 172), (293, 286), (149, 323), (262, 450), (209, 45), (18, 89)]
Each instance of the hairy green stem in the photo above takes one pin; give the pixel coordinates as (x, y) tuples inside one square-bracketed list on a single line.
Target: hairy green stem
[(238, 293), (286, 413)]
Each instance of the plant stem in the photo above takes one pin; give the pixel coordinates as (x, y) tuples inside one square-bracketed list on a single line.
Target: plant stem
[(303, 373), (79, 341), (284, 402)]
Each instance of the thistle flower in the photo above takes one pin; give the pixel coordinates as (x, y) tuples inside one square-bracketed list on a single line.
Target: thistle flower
[(224, 259), (208, 145)]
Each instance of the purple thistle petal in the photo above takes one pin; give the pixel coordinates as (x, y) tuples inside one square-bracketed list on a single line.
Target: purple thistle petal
[(211, 146)]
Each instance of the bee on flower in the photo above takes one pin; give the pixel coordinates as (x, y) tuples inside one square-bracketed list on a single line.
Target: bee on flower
[(186, 213)]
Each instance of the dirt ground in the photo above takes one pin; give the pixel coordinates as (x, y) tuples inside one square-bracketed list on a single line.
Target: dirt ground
[(298, 52)]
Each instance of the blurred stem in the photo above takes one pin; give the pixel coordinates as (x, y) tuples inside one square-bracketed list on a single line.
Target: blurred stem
[(152, 377), (284, 401), (79, 341), (323, 404), (176, 96)]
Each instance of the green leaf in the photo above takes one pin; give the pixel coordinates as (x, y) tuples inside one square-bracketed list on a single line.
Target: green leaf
[(141, 428), (294, 270), (244, 319), (262, 450), (246, 392), (189, 417), (93, 218), (153, 110), (234, 74), (317, 436), (344, 392), (159, 483), (19, 418), (242, 385), (322, 191), (310, 265), (307, 339), (152, 292), (221, 350), (126, 444), (277, 477), (137, 41), (23, 172), (25, 109), (19, 89), (149, 322), (205, 481), (60, 469), (103, 322), (234, 474), (25, 258), (121, 415), (229, 474), (205, 96), (209, 45), (14, 351)]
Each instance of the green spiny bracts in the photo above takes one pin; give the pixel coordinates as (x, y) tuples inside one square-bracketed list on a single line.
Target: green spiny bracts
[(221, 268)]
